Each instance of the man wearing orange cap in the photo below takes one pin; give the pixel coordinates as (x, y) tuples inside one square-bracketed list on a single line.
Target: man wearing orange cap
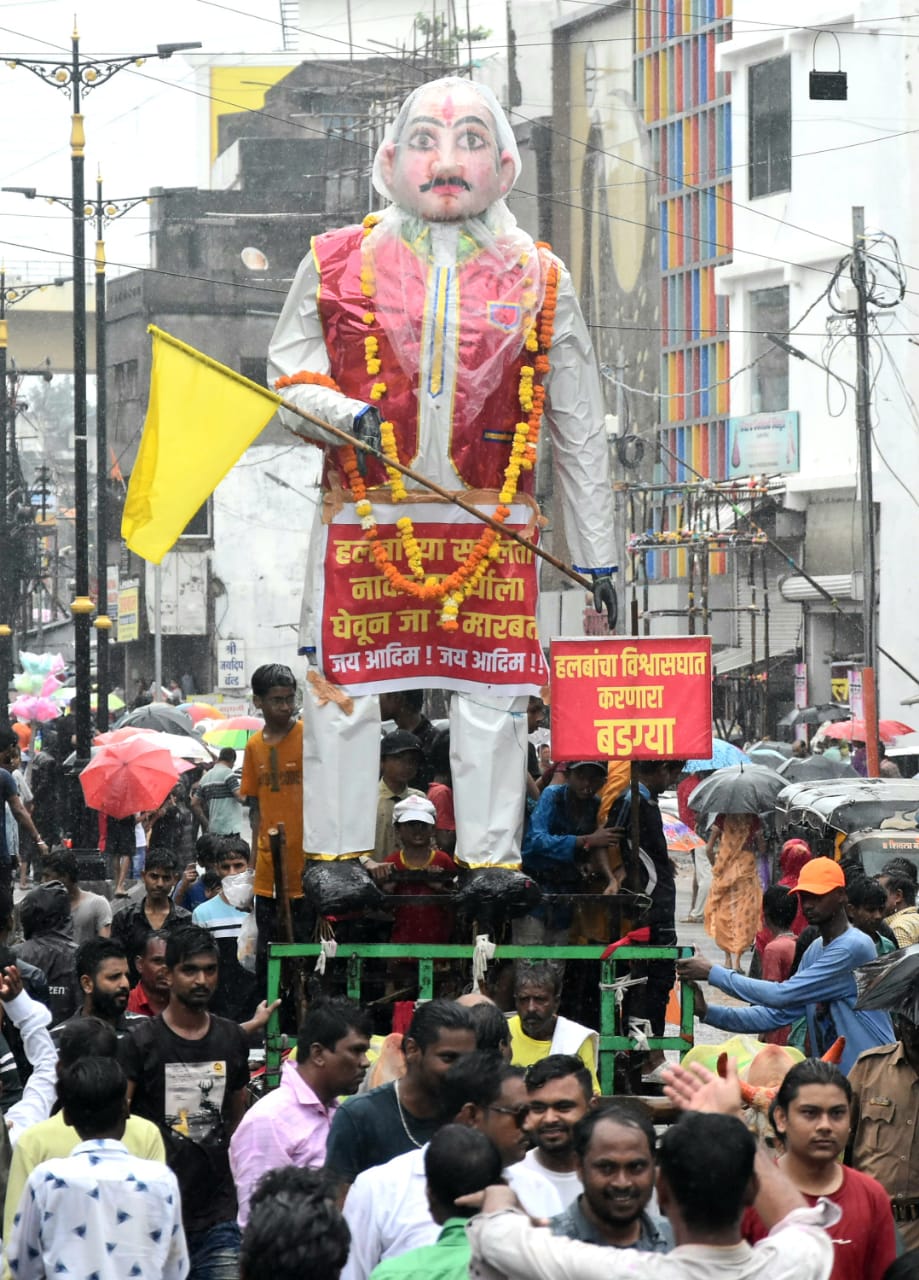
[(823, 988)]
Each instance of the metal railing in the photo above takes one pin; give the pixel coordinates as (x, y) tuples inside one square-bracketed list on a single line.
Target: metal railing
[(611, 1040)]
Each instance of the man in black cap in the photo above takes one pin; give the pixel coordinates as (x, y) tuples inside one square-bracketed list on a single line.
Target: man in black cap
[(400, 757)]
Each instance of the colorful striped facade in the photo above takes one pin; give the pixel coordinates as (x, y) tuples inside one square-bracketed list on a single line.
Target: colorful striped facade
[(685, 103)]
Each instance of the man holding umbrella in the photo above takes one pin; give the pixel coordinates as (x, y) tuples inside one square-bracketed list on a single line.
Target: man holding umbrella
[(823, 988)]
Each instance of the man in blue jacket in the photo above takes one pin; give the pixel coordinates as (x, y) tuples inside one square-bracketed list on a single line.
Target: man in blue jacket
[(823, 988), (561, 835)]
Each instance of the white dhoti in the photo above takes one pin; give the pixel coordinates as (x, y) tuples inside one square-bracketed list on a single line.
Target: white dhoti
[(341, 766)]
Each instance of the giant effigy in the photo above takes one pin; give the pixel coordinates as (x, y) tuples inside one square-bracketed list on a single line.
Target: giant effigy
[(439, 333)]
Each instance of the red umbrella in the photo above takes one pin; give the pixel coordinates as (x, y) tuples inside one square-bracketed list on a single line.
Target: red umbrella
[(128, 776), (854, 730)]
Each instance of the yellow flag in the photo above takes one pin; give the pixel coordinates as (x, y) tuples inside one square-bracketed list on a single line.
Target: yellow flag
[(201, 418)]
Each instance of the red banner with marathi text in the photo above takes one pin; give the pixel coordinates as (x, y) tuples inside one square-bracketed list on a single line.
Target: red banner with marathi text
[(374, 638), (639, 698)]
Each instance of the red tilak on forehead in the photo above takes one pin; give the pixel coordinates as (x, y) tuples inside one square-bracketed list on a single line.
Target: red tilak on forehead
[(448, 110)]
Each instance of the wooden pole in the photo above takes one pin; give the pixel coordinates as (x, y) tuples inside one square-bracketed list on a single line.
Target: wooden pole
[(277, 842), (870, 716), (346, 438)]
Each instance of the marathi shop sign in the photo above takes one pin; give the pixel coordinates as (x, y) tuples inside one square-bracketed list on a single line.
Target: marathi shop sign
[(647, 698)]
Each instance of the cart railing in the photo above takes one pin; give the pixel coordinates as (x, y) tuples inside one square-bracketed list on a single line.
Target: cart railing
[(608, 974)]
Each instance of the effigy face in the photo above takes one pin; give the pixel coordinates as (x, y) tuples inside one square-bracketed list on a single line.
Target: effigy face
[(446, 166)]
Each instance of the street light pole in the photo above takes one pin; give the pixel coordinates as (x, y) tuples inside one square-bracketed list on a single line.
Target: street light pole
[(81, 606), (71, 78), (105, 212)]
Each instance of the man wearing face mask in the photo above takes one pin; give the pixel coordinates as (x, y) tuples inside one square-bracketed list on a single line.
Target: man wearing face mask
[(443, 332)]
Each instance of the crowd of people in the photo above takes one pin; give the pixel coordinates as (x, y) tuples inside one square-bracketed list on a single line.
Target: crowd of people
[(129, 1023)]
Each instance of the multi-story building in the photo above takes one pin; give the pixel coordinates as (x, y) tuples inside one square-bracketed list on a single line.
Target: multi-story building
[(800, 165)]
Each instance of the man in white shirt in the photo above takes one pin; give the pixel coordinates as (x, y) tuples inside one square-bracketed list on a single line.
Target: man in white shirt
[(560, 1094), (709, 1171), (99, 1211), (387, 1208)]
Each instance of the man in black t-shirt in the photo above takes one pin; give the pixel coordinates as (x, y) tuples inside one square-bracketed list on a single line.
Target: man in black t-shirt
[(370, 1128), (188, 1071)]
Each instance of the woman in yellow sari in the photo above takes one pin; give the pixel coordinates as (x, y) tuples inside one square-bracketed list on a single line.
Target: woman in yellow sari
[(732, 912)]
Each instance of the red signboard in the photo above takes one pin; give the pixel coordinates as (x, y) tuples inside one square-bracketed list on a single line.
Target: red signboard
[(374, 638), (638, 698)]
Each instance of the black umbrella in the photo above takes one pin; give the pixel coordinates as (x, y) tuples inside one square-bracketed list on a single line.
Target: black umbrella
[(159, 716), (818, 714), (891, 982), (742, 788), (814, 768)]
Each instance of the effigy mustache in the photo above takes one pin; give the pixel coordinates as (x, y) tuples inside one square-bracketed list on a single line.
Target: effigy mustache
[(445, 182)]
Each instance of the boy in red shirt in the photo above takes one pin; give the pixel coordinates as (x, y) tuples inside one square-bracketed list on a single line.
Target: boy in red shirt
[(414, 819), (811, 1116)]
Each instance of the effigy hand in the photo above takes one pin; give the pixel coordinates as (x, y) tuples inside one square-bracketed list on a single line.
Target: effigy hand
[(366, 427), (605, 600)]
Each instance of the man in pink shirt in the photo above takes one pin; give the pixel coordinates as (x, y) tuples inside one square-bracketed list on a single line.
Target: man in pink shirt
[(291, 1124)]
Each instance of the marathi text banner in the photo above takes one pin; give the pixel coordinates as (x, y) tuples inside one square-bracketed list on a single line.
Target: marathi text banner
[(632, 698), (374, 637)]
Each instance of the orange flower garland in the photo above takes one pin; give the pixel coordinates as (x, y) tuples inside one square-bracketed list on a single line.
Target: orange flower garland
[(456, 587)]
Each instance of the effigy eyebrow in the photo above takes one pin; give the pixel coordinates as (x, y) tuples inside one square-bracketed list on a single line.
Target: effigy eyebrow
[(442, 124)]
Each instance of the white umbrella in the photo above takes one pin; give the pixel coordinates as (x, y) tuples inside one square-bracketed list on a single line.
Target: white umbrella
[(178, 745)]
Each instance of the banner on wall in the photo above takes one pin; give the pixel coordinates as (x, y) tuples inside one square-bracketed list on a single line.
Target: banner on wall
[(647, 698)]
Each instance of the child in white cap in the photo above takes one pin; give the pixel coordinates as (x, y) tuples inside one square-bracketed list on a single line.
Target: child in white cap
[(414, 819)]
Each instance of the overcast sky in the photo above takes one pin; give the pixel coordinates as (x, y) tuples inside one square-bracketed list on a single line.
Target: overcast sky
[(143, 127)]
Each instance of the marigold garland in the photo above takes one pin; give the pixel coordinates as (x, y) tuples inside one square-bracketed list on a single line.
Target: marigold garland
[(456, 587)]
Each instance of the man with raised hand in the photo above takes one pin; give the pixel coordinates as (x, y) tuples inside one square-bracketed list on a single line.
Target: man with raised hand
[(709, 1171)]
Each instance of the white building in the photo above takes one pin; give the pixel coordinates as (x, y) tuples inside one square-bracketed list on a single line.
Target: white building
[(799, 168)]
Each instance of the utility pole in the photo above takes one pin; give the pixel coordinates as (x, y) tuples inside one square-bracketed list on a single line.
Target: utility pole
[(866, 488)]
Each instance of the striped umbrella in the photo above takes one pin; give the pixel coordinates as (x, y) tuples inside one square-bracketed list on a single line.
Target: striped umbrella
[(234, 732), (198, 711)]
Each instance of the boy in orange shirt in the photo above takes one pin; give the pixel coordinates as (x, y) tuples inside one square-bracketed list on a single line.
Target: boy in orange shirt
[(272, 779)]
